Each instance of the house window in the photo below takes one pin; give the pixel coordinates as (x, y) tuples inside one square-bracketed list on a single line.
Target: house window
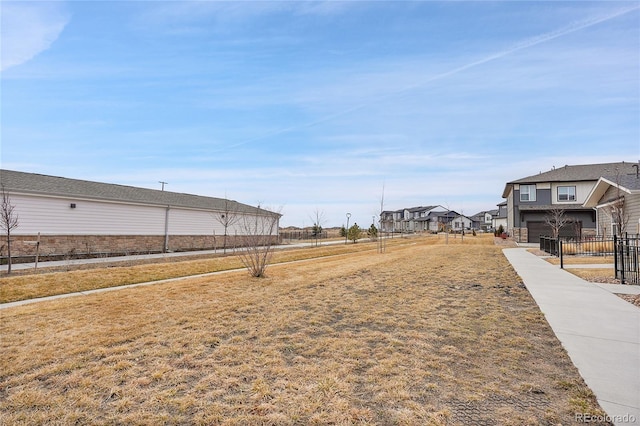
[(527, 192), (566, 193)]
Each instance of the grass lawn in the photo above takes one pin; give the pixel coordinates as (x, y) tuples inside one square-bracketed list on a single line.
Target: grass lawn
[(425, 333), (603, 275), (582, 260), (27, 285)]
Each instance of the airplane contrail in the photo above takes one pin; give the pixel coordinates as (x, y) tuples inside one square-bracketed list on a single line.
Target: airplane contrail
[(525, 44)]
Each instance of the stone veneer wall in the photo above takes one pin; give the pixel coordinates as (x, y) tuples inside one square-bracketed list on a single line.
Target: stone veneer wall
[(520, 235), (71, 246)]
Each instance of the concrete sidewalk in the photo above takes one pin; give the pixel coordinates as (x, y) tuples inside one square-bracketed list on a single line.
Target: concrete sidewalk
[(599, 330)]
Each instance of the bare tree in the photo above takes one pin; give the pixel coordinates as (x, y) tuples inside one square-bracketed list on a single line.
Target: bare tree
[(8, 222), (556, 218), (318, 220), (619, 216), (260, 233), (618, 211), (227, 217), (382, 243)]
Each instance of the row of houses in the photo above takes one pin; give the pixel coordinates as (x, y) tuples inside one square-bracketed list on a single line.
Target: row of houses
[(437, 219), (596, 200), (70, 215)]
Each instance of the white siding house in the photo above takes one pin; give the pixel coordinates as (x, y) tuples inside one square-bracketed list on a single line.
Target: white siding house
[(461, 223), (80, 216)]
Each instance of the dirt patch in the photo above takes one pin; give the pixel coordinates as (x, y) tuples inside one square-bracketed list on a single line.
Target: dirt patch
[(634, 299), (538, 253), (504, 242)]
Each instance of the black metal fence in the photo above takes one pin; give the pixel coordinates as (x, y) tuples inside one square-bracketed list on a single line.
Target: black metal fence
[(594, 246), (549, 245), (625, 251), (626, 255)]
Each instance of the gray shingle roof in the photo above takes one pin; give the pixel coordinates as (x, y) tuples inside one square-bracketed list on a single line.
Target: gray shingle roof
[(581, 173), (631, 182), (32, 183)]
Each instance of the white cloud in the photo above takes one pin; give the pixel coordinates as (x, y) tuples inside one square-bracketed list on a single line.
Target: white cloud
[(29, 28)]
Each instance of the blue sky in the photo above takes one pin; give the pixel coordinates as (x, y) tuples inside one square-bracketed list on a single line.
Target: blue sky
[(319, 106)]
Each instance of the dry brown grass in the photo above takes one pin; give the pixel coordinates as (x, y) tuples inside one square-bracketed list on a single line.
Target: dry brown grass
[(29, 286), (602, 275), (423, 334), (581, 260)]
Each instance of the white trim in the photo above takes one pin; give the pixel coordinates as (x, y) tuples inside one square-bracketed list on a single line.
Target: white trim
[(600, 188), (609, 203), (568, 194), (530, 200)]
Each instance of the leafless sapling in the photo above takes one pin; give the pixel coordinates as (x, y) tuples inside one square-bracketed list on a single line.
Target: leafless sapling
[(556, 218), (227, 217), (618, 210), (260, 232), (8, 222), (382, 243), (318, 220)]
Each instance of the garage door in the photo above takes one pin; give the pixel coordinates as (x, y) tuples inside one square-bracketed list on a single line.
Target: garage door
[(536, 229)]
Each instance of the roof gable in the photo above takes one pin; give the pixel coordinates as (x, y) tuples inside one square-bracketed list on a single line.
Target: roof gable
[(629, 184)]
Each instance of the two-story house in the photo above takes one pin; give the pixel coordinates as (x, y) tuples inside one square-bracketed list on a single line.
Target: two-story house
[(439, 220), (483, 220), (530, 200)]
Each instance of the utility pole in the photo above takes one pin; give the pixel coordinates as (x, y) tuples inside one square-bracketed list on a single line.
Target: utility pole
[(163, 184)]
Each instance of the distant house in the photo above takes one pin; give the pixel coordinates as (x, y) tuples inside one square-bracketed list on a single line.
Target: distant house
[(440, 220), (411, 219), (424, 219), (484, 220), (501, 218), (529, 200), (461, 223), (76, 216)]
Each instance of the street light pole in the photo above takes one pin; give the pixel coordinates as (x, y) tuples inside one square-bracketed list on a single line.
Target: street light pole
[(346, 233)]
